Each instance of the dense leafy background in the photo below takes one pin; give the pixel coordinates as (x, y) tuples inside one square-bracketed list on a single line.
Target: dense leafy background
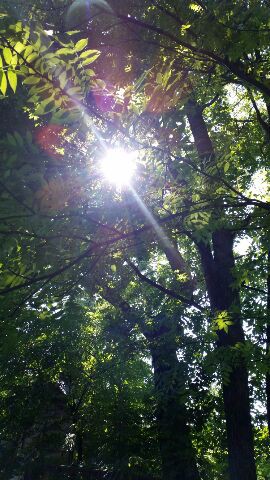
[(108, 334)]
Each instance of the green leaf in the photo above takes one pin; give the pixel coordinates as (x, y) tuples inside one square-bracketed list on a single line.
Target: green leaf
[(159, 78), (19, 47), (113, 268), (62, 79), (7, 55), (29, 49), (90, 72), (64, 51), (89, 53), (81, 44), (12, 78), (14, 61), (3, 83), (226, 167), (89, 60), (31, 80), (195, 7), (33, 56), (72, 32)]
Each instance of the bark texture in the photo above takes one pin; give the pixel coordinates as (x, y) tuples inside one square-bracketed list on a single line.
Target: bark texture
[(176, 450), (177, 454), (218, 262), (268, 345)]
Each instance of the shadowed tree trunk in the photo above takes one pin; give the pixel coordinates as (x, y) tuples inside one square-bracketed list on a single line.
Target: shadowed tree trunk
[(177, 454), (268, 345), (178, 458), (218, 263)]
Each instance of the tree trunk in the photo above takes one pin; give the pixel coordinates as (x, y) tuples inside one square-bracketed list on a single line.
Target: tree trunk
[(268, 345), (79, 447), (177, 454), (218, 264)]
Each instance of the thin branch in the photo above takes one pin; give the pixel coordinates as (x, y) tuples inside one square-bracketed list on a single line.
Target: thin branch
[(254, 289), (211, 102), (17, 199), (162, 289), (262, 122), (234, 67)]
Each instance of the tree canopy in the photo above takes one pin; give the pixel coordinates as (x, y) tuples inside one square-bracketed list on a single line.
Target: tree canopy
[(135, 259)]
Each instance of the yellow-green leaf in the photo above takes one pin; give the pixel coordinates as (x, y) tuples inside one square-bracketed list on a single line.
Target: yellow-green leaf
[(14, 60), (72, 32), (81, 44), (33, 56), (195, 7), (62, 79), (28, 50), (7, 55), (226, 167), (31, 80), (89, 60), (159, 78), (18, 27), (3, 83), (12, 78), (89, 53), (64, 51), (90, 72)]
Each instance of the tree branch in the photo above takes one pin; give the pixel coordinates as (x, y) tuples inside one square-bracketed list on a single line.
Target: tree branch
[(162, 289)]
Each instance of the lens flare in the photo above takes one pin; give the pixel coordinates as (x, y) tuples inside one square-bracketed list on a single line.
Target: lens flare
[(118, 166)]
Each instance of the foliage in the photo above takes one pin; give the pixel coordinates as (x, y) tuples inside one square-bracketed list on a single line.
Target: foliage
[(108, 324)]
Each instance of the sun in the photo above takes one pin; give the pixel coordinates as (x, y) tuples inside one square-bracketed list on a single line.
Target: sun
[(118, 166)]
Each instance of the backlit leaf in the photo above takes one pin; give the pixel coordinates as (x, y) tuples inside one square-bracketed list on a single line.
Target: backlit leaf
[(7, 55), (3, 83), (81, 44), (12, 78)]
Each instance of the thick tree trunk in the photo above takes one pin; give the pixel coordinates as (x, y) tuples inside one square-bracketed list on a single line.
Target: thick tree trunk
[(219, 280), (218, 263), (177, 454), (268, 345), (79, 447)]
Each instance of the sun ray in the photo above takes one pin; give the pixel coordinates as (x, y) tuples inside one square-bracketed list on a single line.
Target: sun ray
[(118, 166)]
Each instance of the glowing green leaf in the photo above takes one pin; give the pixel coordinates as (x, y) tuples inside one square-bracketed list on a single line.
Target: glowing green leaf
[(19, 47), (89, 53), (7, 55), (12, 78), (81, 44), (89, 60), (3, 83)]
